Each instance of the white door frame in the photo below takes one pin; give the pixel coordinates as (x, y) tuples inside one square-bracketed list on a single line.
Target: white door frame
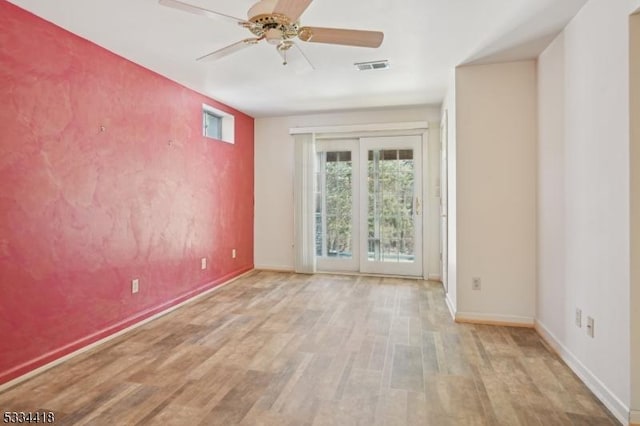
[(357, 131), (444, 202)]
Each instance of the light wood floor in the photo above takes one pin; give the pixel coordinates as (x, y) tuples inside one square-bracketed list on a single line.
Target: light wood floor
[(286, 349)]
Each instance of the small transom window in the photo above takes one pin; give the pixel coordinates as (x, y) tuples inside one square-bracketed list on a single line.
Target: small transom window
[(212, 125), (217, 124)]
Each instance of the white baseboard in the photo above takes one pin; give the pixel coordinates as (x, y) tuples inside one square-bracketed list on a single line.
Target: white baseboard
[(495, 319), (274, 268), (635, 417), (611, 401), (119, 333), (451, 306)]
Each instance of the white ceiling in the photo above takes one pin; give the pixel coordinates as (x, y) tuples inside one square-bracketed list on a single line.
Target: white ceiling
[(424, 41)]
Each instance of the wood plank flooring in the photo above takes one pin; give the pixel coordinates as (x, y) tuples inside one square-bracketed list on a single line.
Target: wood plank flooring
[(286, 349)]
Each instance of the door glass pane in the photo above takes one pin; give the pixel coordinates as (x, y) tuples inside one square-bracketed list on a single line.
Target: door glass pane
[(390, 216), (334, 201)]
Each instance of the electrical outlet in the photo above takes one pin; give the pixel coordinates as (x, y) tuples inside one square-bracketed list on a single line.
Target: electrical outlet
[(135, 286), (579, 317), (590, 327), (203, 263), (233, 253), (476, 283)]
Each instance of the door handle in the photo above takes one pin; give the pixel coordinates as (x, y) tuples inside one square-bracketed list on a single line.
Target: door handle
[(418, 206)]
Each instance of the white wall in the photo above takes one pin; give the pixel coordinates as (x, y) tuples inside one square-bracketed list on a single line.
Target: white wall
[(496, 191), (634, 49), (634, 6), (274, 178), (584, 198), (551, 290)]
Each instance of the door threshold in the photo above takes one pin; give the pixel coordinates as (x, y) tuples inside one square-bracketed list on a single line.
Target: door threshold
[(370, 274)]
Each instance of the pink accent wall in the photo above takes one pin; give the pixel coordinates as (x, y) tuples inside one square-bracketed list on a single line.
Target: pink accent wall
[(84, 211)]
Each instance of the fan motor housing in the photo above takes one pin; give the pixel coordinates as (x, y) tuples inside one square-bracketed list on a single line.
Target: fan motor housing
[(273, 21)]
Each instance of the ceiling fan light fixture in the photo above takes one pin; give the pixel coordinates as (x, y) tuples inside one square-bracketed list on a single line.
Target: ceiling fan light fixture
[(273, 36)]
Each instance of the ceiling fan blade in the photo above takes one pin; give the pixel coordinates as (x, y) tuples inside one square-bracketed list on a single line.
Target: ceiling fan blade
[(295, 57), (341, 36), (200, 11), (225, 51), (291, 8)]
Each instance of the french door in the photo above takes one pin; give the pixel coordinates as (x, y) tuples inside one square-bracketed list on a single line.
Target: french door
[(369, 206), (391, 205), (336, 205)]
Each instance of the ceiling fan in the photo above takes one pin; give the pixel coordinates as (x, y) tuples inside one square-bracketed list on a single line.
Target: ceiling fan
[(277, 22)]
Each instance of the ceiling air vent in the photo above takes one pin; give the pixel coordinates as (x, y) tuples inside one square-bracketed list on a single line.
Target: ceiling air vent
[(374, 65)]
